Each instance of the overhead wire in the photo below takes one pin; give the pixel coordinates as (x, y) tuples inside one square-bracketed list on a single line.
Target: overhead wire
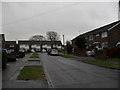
[(41, 14)]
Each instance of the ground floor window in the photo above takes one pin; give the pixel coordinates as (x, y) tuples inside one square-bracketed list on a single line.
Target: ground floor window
[(104, 45)]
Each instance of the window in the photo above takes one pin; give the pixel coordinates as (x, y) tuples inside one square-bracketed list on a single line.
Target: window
[(104, 34), (91, 37), (104, 45), (58, 44), (86, 38), (97, 35), (11, 45)]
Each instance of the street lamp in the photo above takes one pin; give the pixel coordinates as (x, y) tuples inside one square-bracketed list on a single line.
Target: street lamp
[(64, 44)]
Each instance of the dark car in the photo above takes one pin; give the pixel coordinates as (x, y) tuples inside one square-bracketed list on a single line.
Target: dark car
[(20, 54), (11, 57)]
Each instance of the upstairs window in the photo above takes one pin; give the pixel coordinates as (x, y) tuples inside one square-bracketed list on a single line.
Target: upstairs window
[(86, 37), (97, 35), (104, 34), (91, 37)]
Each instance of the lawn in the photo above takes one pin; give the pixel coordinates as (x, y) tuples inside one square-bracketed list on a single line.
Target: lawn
[(34, 60), (103, 63), (31, 73)]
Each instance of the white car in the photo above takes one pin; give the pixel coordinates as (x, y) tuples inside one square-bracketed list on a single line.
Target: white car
[(53, 52), (90, 53)]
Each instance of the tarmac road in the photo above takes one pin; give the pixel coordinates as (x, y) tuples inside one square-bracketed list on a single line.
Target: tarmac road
[(70, 73)]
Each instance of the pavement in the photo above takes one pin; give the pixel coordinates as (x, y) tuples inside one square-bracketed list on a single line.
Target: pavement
[(0, 78), (10, 74), (71, 73)]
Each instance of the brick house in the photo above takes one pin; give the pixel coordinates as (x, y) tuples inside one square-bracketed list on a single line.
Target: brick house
[(39, 45), (10, 46), (2, 41), (101, 38)]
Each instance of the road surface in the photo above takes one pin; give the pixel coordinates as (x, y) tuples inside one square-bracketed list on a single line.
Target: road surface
[(70, 73)]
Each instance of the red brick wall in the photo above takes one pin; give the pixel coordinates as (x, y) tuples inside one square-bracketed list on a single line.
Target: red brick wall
[(79, 52), (101, 54)]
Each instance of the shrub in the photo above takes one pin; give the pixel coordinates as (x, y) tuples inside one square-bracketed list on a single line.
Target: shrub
[(80, 42), (69, 47)]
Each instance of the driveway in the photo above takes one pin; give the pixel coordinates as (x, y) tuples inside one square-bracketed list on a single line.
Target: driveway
[(71, 73)]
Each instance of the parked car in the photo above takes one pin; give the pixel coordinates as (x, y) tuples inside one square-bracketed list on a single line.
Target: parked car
[(20, 54), (53, 52), (3, 54), (118, 44), (90, 53), (11, 57)]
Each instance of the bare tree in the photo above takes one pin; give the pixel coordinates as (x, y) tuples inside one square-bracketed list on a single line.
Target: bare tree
[(37, 38), (52, 36)]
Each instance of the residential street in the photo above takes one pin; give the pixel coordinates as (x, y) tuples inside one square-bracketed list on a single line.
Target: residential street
[(70, 73)]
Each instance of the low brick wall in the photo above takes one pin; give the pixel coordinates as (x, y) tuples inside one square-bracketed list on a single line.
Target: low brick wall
[(102, 54), (79, 52)]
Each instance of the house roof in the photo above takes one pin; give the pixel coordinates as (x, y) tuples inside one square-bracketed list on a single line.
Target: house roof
[(101, 29), (10, 42), (38, 42)]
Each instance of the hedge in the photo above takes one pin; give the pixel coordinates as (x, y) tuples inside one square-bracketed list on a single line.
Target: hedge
[(4, 59), (113, 52)]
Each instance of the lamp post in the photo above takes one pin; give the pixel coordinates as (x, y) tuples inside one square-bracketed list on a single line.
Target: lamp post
[(64, 44)]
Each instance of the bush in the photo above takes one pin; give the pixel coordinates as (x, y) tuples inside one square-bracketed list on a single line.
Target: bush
[(80, 42), (113, 52), (4, 59), (69, 47)]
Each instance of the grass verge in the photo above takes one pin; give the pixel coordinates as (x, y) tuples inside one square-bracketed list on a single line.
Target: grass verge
[(103, 63), (34, 56), (34, 60), (31, 73), (27, 53), (114, 59), (34, 53), (65, 56)]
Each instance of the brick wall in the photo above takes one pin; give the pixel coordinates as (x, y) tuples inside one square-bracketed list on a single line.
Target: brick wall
[(79, 52)]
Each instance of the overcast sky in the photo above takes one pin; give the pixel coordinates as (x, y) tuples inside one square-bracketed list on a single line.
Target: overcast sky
[(23, 20)]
